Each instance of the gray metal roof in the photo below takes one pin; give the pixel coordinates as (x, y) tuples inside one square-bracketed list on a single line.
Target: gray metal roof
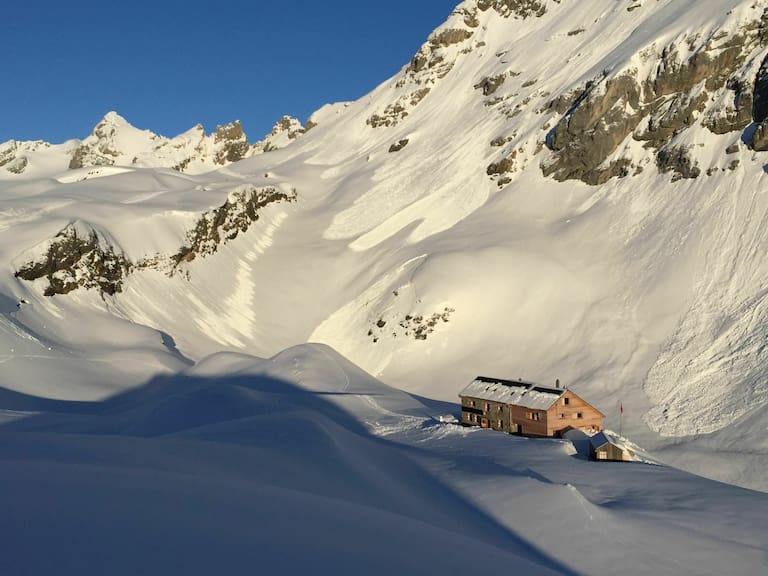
[(519, 393)]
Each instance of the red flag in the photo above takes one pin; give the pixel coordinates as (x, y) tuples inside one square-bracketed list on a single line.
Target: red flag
[(621, 407)]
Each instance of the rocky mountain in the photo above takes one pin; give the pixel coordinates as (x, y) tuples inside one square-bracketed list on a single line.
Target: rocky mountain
[(115, 142), (548, 189)]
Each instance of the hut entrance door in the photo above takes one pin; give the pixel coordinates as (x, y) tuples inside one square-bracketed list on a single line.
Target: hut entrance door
[(484, 422)]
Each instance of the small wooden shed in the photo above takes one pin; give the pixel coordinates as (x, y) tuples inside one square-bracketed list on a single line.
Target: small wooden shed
[(607, 447)]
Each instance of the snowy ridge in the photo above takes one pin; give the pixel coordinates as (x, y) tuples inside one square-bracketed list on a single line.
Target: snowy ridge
[(115, 145)]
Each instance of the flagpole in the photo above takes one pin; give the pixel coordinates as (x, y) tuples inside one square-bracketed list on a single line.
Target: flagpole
[(621, 416)]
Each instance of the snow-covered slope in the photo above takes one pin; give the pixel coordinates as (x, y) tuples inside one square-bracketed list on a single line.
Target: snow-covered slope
[(303, 462), (567, 190)]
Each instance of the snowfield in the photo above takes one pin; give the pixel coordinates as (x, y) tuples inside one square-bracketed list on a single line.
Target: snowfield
[(305, 462)]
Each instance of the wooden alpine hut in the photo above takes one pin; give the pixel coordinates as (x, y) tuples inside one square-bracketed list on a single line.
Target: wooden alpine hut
[(520, 407)]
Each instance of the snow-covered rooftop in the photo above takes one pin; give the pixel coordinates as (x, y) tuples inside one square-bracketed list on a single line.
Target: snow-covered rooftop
[(603, 438), (519, 393)]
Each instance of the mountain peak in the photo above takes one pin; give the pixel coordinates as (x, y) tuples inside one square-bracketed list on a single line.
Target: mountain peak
[(113, 118)]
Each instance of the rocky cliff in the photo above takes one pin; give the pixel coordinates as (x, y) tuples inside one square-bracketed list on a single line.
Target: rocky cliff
[(78, 256)]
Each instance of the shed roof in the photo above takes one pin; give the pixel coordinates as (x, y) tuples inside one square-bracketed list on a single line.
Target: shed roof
[(519, 393), (602, 438)]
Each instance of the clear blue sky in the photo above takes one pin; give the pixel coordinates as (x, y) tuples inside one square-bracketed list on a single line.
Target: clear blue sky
[(167, 65)]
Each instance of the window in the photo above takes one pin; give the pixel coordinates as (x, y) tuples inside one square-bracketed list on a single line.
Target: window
[(500, 407), (562, 415), (579, 415), (566, 401), (487, 406), (602, 455), (529, 415), (472, 403)]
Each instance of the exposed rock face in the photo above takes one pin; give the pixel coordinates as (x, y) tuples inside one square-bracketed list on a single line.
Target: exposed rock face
[(760, 138), (676, 159), (399, 145), (430, 54), (99, 148), (231, 143), (223, 224), (18, 165), (78, 258), (518, 8), (8, 152), (14, 155), (736, 114), (760, 104), (283, 132), (490, 84), (418, 327), (289, 125), (597, 123), (398, 110), (434, 60), (760, 109), (656, 109)]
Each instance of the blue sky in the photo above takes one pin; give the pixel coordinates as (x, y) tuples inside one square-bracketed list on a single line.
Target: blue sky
[(167, 65)]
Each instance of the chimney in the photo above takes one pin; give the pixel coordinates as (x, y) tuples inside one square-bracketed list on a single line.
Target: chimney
[(557, 383)]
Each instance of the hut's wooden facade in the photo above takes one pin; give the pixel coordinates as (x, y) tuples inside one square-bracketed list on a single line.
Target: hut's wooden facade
[(526, 408)]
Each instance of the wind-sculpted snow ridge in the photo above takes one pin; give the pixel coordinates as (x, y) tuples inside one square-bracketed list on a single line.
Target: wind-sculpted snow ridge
[(304, 460)]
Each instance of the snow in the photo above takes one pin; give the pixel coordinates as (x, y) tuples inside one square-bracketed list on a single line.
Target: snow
[(519, 393), (303, 460), (191, 408)]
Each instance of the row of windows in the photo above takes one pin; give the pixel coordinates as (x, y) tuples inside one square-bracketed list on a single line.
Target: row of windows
[(487, 406), (475, 419), (566, 402), (535, 416)]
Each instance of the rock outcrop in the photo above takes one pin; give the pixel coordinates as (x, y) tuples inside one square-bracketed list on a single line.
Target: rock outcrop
[(705, 84), (760, 109), (283, 133), (78, 257), (225, 223), (230, 143), (517, 8)]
